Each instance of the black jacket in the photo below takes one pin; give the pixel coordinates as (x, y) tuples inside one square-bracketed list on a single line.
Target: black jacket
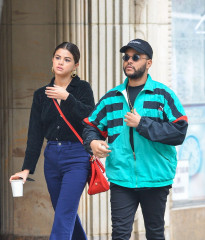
[(45, 120)]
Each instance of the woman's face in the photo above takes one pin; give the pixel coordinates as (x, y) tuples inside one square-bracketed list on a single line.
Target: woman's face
[(63, 62)]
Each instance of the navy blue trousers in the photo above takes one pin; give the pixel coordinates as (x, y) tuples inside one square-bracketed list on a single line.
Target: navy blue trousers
[(66, 170)]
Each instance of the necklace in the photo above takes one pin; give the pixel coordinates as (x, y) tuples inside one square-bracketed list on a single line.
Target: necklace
[(129, 102)]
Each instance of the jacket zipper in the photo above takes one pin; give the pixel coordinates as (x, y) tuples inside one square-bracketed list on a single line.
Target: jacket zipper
[(132, 128), (134, 155), (132, 133)]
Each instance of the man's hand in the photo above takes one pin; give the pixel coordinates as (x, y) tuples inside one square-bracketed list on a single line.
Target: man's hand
[(100, 148), (57, 92), (132, 119)]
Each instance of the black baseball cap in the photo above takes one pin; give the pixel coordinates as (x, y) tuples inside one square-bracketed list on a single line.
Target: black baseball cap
[(140, 46)]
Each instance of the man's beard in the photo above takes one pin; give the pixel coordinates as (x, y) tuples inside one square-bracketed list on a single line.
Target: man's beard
[(137, 73)]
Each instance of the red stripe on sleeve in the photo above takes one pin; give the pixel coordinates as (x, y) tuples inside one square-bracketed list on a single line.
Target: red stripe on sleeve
[(181, 118), (103, 133)]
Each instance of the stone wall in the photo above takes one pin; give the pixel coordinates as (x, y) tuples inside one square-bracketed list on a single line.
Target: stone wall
[(188, 223)]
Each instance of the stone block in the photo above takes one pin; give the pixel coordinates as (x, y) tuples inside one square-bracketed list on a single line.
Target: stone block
[(158, 11), (34, 217), (94, 59), (117, 11), (23, 13), (110, 56), (109, 11), (102, 58), (188, 223), (125, 28), (5, 12), (31, 61), (159, 39), (138, 12), (20, 131), (94, 10), (125, 16), (33, 213), (117, 77), (140, 31), (102, 10)]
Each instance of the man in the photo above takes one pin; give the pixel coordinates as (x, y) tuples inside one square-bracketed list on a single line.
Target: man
[(143, 120)]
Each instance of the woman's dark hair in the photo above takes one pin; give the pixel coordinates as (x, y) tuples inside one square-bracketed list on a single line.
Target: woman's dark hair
[(72, 48)]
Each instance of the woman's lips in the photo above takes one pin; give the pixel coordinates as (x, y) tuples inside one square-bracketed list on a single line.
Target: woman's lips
[(60, 68)]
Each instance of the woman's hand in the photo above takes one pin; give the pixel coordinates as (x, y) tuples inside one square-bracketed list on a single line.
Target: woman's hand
[(57, 92), (100, 148), (23, 174)]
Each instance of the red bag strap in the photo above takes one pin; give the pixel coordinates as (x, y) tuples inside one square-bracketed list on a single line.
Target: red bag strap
[(67, 122), (93, 158)]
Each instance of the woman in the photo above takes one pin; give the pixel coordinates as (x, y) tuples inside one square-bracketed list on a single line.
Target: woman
[(66, 165)]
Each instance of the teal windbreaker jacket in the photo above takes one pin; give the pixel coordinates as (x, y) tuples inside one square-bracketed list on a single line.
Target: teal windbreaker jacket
[(163, 125)]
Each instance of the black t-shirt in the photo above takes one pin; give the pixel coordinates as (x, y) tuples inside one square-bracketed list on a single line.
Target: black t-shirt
[(132, 95)]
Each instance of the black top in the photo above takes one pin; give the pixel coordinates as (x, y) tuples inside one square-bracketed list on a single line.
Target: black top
[(45, 120), (133, 93)]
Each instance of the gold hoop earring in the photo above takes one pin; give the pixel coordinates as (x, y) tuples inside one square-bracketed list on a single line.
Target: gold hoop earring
[(52, 70), (73, 74)]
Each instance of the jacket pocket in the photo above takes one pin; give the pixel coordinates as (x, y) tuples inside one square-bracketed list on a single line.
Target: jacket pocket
[(166, 151)]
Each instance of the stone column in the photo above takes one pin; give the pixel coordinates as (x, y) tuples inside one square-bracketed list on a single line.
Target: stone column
[(1, 5), (6, 114), (27, 41)]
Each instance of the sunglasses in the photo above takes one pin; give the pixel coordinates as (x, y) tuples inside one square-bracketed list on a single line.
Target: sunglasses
[(135, 57)]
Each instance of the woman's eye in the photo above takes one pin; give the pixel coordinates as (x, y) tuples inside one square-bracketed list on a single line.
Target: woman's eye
[(67, 60), (57, 58)]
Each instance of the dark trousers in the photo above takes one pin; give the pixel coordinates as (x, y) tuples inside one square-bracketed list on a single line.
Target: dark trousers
[(124, 204), (66, 171)]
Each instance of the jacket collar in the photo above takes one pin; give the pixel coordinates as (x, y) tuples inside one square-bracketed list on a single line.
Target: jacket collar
[(148, 85), (74, 82)]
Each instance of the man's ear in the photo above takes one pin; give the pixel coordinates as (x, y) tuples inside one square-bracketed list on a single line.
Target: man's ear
[(149, 63)]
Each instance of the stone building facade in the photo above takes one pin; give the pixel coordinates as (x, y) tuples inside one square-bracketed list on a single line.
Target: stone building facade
[(29, 32)]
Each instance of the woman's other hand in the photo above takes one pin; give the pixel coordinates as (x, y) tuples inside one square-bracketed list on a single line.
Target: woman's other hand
[(23, 174), (57, 92)]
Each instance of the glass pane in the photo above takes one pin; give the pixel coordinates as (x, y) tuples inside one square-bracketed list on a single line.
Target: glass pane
[(188, 38)]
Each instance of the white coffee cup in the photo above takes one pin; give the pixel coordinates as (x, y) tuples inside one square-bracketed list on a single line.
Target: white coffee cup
[(17, 187)]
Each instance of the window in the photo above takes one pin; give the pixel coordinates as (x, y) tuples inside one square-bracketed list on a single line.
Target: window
[(188, 72)]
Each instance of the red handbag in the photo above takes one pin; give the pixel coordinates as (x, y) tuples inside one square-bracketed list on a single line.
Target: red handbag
[(97, 181)]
